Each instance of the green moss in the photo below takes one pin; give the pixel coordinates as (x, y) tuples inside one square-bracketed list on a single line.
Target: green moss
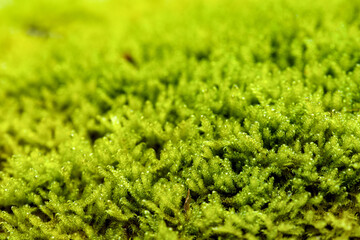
[(111, 111)]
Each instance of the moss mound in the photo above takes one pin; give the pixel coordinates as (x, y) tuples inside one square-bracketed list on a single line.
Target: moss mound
[(179, 119)]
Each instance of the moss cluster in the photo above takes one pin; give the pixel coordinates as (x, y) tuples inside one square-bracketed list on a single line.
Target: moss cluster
[(179, 119)]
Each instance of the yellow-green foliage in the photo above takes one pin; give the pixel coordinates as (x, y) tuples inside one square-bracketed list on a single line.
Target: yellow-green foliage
[(111, 110)]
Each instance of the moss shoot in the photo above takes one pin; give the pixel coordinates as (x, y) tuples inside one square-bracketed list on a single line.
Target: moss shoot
[(182, 119)]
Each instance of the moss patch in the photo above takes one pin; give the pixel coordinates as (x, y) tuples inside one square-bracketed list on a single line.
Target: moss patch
[(179, 119)]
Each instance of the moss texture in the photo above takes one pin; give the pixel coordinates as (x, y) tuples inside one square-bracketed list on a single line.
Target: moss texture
[(180, 119)]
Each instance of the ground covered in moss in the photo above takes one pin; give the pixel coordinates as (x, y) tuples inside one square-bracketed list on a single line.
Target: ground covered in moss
[(113, 111)]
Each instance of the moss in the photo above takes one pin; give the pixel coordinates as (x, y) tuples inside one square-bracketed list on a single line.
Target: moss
[(179, 119)]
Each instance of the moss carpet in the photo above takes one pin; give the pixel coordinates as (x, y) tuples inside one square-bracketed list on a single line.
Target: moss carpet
[(169, 119)]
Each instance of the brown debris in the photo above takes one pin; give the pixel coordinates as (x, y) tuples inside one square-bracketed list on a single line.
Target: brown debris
[(129, 58), (187, 202)]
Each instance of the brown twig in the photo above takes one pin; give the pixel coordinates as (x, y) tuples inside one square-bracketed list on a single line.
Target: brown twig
[(187, 203), (129, 58)]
